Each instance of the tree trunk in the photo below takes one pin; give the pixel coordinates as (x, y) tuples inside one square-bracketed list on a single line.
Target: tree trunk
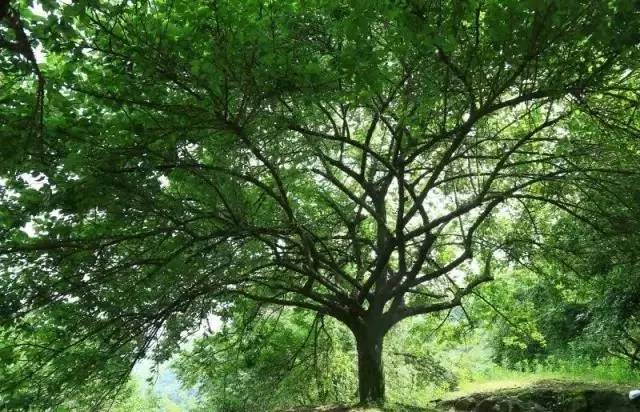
[(370, 371)]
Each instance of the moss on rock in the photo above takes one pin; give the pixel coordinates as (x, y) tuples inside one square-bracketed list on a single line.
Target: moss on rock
[(546, 396)]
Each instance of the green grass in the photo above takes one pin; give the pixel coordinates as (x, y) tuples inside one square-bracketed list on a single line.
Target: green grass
[(388, 408), (611, 373), (481, 376)]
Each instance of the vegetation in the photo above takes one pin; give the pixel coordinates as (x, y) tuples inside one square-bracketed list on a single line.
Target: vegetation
[(318, 176)]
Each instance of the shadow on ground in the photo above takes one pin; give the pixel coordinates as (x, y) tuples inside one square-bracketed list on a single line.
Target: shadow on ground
[(542, 396)]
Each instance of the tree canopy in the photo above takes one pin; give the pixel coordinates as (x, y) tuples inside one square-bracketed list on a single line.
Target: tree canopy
[(367, 161)]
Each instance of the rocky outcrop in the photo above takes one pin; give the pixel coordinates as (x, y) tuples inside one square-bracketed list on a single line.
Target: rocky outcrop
[(548, 396)]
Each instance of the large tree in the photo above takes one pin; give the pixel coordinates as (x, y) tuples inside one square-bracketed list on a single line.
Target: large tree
[(365, 160)]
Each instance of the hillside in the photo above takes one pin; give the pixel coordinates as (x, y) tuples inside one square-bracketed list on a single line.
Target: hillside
[(541, 396)]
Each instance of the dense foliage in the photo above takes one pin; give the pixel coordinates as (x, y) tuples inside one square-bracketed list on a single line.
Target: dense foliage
[(578, 292), (358, 163), (283, 358)]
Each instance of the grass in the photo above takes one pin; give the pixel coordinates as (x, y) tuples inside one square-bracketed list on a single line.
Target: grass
[(389, 408), (487, 377), (614, 373)]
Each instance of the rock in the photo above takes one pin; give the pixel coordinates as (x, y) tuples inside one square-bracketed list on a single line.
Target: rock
[(464, 404), (546, 396), (576, 404), (614, 402), (486, 405)]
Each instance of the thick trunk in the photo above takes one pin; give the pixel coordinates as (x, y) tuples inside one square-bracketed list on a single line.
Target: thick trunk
[(370, 372)]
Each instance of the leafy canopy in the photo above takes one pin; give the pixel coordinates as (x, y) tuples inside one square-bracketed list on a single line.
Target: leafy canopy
[(368, 161)]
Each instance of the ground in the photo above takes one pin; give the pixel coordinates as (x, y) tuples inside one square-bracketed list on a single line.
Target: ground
[(545, 396), (541, 396), (394, 408)]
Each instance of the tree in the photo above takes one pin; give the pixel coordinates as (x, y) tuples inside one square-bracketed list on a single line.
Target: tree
[(359, 160), (581, 291), (285, 359)]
